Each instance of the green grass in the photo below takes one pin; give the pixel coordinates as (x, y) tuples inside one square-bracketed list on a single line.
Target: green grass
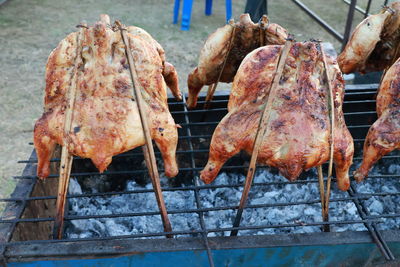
[(30, 29)]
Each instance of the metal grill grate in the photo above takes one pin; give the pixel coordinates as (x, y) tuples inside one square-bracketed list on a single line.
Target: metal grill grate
[(194, 138)]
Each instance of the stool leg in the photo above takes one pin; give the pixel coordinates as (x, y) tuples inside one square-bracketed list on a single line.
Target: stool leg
[(208, 7), (186, 14), (228, 7), (176, 11)]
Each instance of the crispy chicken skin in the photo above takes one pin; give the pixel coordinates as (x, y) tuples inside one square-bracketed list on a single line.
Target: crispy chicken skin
[(372, 45), (297, 136), (384, 135), (213, 53), (106, 120)]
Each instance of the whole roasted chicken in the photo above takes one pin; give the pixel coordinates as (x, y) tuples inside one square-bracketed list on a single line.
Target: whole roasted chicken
[(374, 44), (231, 42), (105, 119), (298, 132), (384, 135)]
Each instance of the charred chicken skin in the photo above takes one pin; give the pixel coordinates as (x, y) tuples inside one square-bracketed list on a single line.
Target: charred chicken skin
[(298, 133), (384, 135), (373, 45), (105, 118), (246, 38)]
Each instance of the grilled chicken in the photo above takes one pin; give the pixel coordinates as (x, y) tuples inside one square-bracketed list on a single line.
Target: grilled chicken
[(384, 135), (246, 38), (373, 45), (298, 133), (105, 118)]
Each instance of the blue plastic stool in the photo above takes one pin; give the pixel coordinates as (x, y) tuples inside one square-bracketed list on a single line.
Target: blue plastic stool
[(187, 11)]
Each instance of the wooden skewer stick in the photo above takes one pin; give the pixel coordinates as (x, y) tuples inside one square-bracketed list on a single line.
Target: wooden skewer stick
[(262, 128), (213, 87), (331, 106), (210, 94), (324, 209), (321, 188), (263, 22), (148, 149), (66, 157), (326, 195)]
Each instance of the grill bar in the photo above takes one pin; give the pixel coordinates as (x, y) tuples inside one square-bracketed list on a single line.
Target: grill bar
[(194, 232), (196, 191), (181, 170), (130, 154), (394, 215), (182, 211), (358, 195), (375, 234), (189, 152)]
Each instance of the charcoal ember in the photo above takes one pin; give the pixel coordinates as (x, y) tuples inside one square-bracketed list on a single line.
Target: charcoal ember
[(274, 193), (376, 207)]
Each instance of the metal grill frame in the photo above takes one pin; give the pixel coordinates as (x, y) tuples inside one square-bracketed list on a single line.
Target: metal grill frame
[(342, 38), (35, 249)]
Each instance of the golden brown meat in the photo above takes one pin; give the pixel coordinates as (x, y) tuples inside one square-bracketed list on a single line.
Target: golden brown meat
[(105, 118), (373, 44), (212, 55), (384, 135), (297, 136)]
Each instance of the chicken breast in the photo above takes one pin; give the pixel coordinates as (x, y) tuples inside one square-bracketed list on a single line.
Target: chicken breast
[(105, 118), (298, 133)]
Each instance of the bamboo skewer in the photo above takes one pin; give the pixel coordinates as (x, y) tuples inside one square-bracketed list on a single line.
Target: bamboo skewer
[(261, 131), (148, 149), (325, 195), (262, 23), (213, 87), (321, 189), (66, 157)]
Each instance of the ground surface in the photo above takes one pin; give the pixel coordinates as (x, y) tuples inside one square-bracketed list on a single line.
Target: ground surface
[(30, 29)]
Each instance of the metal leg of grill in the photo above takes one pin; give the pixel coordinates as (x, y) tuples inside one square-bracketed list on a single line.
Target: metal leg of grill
[(359, 9), (366, 14), (3, 262), (319, 20), (349, 22)]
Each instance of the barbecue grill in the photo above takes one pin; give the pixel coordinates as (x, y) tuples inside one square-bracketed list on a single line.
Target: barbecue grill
[(26, 224)]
